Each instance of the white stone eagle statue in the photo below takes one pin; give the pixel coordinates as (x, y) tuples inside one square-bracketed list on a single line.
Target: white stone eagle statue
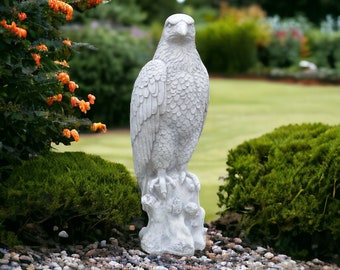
[(168, 109)]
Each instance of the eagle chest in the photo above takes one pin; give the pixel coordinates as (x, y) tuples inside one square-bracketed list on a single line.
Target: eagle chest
[(185, 97)]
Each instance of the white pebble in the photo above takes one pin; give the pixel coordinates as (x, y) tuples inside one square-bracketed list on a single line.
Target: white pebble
[(63, 234), (91, 260), (260, 250), (54, 265), (237, 240), (238, 248), (216, 249), (268, 255), (4, 261)]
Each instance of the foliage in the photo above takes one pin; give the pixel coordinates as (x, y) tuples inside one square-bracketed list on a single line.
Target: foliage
[(229, 44), (109, 70), (36, 93), (74, 191), (287, 185), (115, 11), (287, 43), (314, 10), (325, 48)]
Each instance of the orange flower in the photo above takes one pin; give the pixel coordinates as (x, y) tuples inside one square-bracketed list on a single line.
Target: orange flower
[(20, 32), (98, 126), (60, 6), (67, 42), (91, 98), (64, 63), (84, 106), (59, 97), (41, 47), (75, 135), (22, 16), (67, 133), (36, 58), (91, 3), (63, 77), (72, 86), (74, 101), (51, 100)]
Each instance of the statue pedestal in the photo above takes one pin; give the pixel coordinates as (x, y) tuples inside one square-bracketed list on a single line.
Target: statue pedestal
[(175, 221)]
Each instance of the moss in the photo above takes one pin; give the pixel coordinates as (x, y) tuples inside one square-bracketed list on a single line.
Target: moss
[(290, 180), (70, 190)]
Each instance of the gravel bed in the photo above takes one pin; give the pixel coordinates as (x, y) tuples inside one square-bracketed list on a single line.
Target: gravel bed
[(221, 253)]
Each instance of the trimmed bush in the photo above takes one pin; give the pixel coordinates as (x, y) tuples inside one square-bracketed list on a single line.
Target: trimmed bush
[(74, 191), (286, 185), (227, 47)]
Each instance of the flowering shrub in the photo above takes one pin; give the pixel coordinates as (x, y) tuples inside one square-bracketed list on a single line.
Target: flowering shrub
[(288, 43), (37, 96)]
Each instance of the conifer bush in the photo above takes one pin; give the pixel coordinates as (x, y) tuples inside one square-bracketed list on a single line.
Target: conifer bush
[(286, 185), (71, 191)]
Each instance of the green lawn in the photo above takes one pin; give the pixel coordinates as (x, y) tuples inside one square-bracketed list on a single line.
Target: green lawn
[(238, 110)]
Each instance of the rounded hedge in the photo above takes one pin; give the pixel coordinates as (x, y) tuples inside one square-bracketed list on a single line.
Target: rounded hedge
[(70, 191), (286, 185), (227, 47)]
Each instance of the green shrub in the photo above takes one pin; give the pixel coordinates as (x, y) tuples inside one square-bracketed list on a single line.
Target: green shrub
[(282, 51), (109, 71), (73, 191), (325, 48), (227, 47), (287, 185)]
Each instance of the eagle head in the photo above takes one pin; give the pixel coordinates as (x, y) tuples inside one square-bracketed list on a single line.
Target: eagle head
[(179, 28)]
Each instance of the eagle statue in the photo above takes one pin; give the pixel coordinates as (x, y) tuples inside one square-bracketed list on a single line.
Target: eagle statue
[(168, 109)]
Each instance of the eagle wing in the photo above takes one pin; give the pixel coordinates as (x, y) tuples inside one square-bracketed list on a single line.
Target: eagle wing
[(147, 104)]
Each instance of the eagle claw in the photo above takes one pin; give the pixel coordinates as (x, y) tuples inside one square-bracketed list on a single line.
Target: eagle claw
[(191, 180), (162, 182)]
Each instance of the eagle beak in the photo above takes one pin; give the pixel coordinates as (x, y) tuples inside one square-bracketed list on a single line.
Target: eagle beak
[(182, 28)]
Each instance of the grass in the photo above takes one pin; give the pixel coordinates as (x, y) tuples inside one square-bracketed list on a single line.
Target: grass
[(239, 110)]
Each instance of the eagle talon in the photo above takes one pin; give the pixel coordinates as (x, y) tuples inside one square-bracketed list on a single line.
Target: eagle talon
[(162, 182), (191, 180)]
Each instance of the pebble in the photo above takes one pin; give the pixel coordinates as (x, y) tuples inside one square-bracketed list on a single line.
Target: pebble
[(222, 253), (268, 255), (63, 234)]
